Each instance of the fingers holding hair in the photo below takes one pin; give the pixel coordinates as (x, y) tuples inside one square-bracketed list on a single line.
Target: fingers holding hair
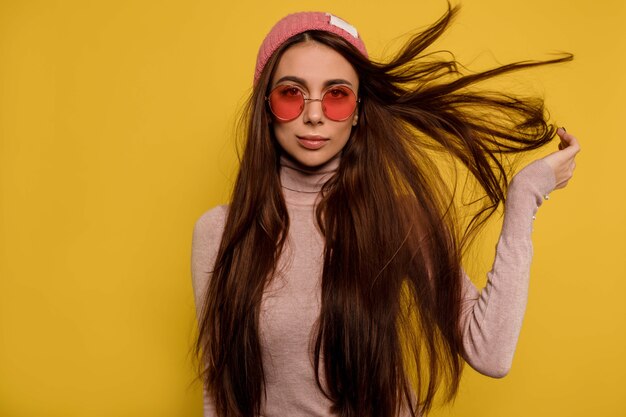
[(568, 141), (563, 161)]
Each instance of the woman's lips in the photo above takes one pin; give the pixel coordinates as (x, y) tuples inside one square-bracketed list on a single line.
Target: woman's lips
[(312, 141)]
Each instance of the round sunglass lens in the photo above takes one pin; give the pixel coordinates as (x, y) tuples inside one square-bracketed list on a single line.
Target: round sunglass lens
[(286, 102), (339, 103)]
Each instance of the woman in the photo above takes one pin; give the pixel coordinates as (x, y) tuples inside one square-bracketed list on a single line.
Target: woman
[(332, 283)]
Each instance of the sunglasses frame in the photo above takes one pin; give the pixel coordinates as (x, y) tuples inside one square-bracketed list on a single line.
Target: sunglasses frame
[(305, 100)]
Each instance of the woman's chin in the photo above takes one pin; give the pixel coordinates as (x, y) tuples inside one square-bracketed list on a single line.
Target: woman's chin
[(313, 159)]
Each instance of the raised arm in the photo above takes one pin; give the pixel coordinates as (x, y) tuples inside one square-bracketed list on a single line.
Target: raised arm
[(492, 318)]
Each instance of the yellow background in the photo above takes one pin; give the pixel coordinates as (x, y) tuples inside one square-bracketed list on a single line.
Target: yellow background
[(116, 135)]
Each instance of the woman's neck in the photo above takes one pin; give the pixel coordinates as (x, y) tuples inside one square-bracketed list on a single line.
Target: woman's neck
[(302, 184)]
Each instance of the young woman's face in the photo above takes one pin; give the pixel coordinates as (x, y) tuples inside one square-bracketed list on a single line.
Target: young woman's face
[(312, 138)]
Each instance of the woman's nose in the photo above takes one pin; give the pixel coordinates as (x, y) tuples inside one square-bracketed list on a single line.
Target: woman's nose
[(313, 112)]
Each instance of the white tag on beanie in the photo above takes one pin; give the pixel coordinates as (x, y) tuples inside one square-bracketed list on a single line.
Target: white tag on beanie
[(340, 23)]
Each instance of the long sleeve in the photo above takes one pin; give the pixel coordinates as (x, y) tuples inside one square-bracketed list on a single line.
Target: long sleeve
[(492, 319), (207, 233)]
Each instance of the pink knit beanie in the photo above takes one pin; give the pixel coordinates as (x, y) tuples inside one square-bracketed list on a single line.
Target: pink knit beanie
[(296, 23)]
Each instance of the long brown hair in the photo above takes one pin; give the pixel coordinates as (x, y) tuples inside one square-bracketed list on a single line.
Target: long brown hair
[(391, 281)]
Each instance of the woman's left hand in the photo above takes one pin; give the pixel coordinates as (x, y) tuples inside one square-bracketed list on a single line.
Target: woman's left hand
[(562, 161)]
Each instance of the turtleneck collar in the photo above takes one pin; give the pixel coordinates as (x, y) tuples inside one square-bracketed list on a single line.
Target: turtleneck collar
[(302, 184)]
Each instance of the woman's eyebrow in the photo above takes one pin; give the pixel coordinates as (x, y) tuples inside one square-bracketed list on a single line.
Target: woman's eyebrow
[(303, 82), (337, 81)]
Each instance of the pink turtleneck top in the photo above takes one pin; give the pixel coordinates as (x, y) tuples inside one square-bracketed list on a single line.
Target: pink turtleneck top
[(491, 318)]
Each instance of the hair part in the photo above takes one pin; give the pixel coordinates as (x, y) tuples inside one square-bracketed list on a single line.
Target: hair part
[(391, 280)]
